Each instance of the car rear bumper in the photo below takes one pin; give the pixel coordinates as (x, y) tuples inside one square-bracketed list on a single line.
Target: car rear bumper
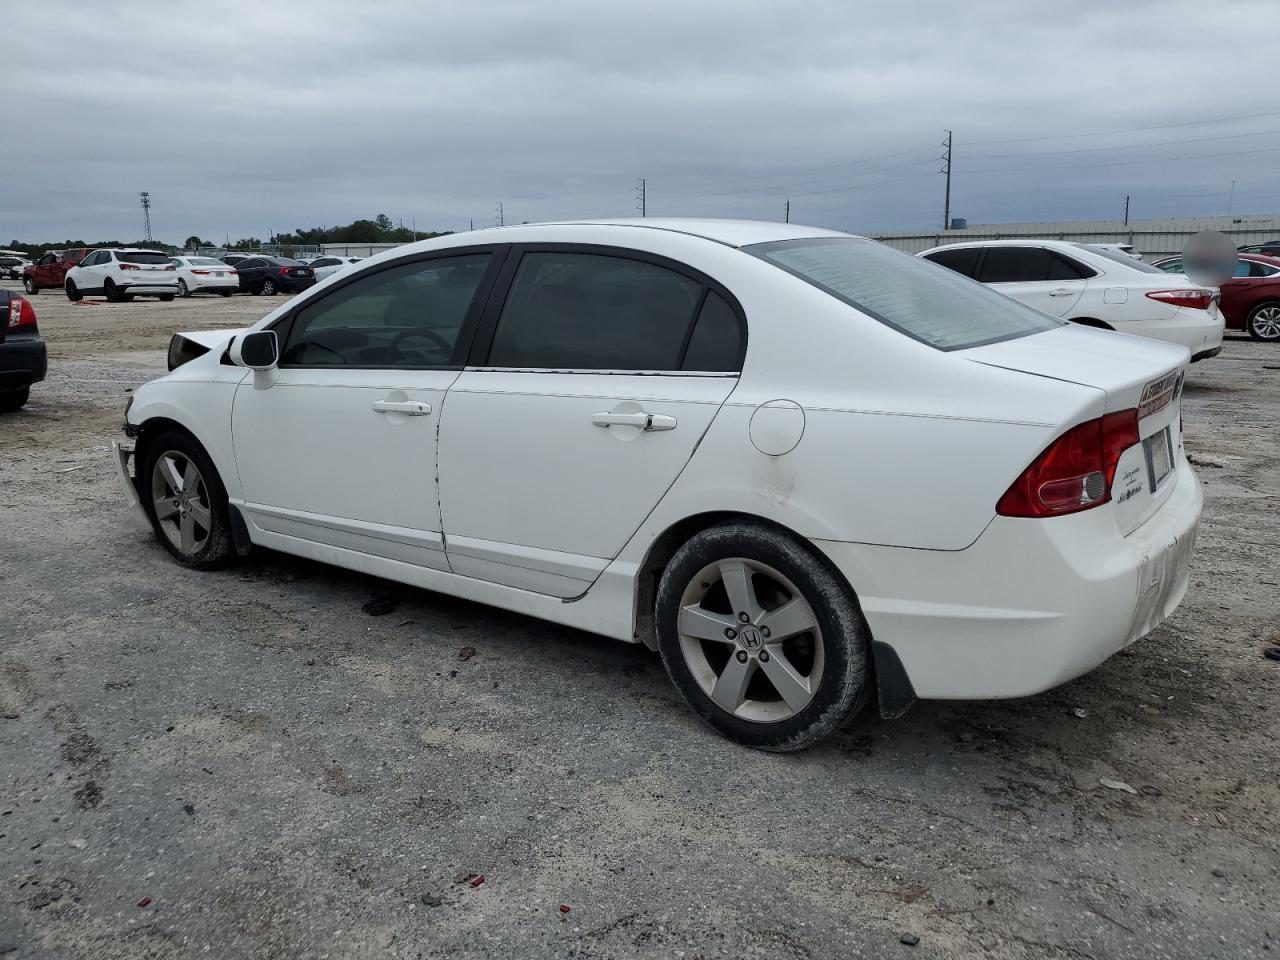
[(1031, 604), (149, 286), (23, 361), (1196, 330)]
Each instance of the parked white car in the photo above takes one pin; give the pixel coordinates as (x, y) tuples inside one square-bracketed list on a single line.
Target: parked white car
[(1091, 285), (328, 266), (205, 275), (122, 274), (808, 469), (11, 266), (1122, 248)]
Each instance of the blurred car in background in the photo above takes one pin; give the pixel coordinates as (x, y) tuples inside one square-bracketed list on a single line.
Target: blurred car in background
[(50, 271), (328, 266), (1251, 299), (231, 259), (122, 274), (271, 275), (1094, 286), (204, 275), (12, 265), (1270, 249), (23, 358)]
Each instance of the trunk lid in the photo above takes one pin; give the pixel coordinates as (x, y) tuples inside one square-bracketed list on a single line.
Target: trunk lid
[(1133, 373)]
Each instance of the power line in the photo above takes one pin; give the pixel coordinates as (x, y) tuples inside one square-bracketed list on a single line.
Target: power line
[(1122, 163), (1107, 133), (1132, 146)]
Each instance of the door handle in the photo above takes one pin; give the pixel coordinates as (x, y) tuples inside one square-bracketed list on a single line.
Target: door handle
[(1061, 292), (414, 408), (651, 422)]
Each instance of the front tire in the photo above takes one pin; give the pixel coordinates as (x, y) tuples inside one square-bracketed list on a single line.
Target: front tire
[(15, 400), (227, 293), (29, 285), (186, 502), (73, 292), (166, 298), (1263, 322), (761, 637)]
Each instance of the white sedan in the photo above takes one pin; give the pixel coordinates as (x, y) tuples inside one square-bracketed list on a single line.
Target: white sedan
[(1093, 285), (328, 266), (810, 470), (205, 275)]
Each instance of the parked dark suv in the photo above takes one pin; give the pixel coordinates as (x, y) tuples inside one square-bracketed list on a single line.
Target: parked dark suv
[(270, 275), (23, 358)]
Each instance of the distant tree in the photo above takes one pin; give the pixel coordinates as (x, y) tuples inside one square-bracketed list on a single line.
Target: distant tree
[(194, 243), (383, 223)]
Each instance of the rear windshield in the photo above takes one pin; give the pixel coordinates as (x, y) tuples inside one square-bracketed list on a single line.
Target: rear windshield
[(205, 262), (927, 302), (1117, 257), (286, 262), (144, 256)]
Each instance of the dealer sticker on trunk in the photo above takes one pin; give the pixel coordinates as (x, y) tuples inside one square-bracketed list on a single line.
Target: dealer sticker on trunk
[(1158, 394)]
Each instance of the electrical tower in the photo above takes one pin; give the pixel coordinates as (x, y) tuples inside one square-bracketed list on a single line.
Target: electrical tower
[(146, 214), (786, 211), (640, 196), (501, 218), (946, 169)]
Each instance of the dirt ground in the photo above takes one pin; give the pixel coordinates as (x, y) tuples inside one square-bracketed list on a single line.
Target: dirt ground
[(248, 764)]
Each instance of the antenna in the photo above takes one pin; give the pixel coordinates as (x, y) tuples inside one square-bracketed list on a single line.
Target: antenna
[(640, 195), (146, 214)]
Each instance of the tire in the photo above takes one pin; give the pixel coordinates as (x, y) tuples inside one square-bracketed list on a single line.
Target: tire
[(227, 293), (111, 292), (724, 667), (166, 298), (182, 288), (178, 529), (14, 400), (29, 285), (1263, 322), (269, 288), (256, 291), (73, 292)]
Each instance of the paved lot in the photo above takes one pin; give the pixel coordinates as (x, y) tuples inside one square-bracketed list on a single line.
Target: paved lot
[(247, 764)]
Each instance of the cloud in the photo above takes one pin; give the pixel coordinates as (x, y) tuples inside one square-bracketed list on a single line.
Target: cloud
[(245, 119)]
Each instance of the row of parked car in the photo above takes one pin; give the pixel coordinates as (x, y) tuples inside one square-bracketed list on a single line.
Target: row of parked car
[(124, 273)]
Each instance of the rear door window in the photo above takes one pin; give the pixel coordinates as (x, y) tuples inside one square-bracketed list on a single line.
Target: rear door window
[(579, 311), (715, 345), (1015, 265)]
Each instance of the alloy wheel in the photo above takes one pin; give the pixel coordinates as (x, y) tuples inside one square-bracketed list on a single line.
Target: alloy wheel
[(1266, 323), (181, 502), (751, 640)]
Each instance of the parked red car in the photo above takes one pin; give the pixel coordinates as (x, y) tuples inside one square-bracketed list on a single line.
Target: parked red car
[(1251, 299), (51, 270)]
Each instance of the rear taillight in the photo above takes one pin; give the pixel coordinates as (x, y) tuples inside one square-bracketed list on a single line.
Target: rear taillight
[(129, 266), (1195, 299), (200, 273), (283, 271), (21, 314), (1075, 472)]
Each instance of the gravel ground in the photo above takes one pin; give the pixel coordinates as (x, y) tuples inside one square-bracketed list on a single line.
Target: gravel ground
[(248, 764)]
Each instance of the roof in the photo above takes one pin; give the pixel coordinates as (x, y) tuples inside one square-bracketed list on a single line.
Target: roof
[(734, 233), (1023, 242)]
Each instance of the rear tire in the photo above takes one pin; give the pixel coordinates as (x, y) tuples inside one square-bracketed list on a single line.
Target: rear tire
[(188, 511), (1263, 322), (166, 298), (795, 670), (29, 285), (183, 291), (227, 293), (111, 291), (269, 287), (73, 292), (14, 400)]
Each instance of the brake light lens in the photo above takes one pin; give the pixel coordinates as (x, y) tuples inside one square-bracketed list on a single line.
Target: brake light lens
[(1186, 297), (200, 273), (283, 271), (21, 314), (129, 266), (1075, 472)]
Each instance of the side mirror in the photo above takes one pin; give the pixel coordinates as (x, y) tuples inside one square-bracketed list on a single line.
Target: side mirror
[(258, 351)]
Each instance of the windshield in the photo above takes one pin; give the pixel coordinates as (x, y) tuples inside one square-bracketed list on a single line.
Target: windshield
[(927, 302), (1116, 257)]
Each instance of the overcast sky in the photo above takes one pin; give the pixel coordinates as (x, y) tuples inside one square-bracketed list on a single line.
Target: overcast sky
[(245, 118)]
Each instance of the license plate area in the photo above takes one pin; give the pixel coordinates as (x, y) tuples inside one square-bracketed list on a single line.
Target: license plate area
[(1159, 452)]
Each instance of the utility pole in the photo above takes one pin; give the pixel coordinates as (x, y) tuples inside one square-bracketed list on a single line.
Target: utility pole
[(473, 223), (415, 229), (1126, 209), (786, 211), (501, 216), (640, 196), (946, 202), (146, 213)]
